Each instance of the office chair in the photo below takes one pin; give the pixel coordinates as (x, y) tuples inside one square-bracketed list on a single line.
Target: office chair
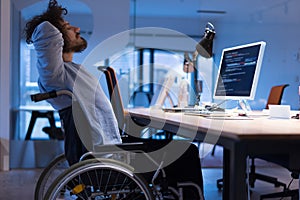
[(274, 98), (275, 95), (284, 162)]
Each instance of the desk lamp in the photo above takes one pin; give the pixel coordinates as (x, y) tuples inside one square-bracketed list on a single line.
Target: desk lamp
[(204, 48)]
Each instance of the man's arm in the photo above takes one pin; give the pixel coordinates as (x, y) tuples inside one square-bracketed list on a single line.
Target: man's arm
[(48, 43)]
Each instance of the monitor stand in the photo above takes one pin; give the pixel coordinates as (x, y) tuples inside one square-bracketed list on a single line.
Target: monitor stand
[(244, 106)]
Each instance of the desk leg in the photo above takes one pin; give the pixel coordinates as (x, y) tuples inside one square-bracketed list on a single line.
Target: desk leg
[(33, 118), (234, 174), (36, 114), (226, 173), (53, 134), (50, 116)]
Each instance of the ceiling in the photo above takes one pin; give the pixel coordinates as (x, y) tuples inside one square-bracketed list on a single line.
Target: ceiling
[(32, 9), (225, 10), (264, 11)]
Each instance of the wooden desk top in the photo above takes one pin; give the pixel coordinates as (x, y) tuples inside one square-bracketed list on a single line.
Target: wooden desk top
[(237, 128), (36, 108)]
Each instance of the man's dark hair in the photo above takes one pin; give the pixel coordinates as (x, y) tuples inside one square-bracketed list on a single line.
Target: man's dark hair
[(54, 15)]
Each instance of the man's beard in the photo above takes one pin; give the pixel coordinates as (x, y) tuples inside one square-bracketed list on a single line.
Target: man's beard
[(77, 48)]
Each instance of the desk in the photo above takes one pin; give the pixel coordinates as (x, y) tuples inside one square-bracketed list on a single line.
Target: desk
[(38, 112), (239, 138)]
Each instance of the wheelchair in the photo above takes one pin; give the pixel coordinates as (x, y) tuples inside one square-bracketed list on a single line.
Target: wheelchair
[(56, 167), (108, 173)]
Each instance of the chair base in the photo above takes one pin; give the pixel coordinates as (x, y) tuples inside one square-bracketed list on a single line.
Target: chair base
[(294, 194), (256, 176)]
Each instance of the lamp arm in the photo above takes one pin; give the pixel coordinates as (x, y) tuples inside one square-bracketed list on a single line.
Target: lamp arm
[(198, 83), (195, 54)]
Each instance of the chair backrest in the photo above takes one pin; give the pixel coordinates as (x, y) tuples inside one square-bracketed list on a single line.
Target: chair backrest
[(125, 126), (114, 93), (275, 95)]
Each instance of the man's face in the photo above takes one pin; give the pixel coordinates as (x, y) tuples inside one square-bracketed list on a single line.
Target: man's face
[(73, 42)]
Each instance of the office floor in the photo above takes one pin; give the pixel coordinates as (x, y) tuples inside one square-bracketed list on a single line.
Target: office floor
[(20, 183)]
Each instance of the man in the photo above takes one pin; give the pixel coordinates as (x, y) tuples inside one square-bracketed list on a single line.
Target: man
[(55, 42)]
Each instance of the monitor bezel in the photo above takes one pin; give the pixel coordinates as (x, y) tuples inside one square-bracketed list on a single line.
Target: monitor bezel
[(256, 73)]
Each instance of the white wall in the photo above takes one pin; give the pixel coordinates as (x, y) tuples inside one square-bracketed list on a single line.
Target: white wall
[(4, 84)]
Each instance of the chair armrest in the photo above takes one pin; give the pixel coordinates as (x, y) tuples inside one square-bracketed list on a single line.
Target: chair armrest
[(135, 146)]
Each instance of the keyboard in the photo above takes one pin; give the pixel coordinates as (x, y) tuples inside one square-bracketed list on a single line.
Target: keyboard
[(206, 113), (185, 109), (257, 114)]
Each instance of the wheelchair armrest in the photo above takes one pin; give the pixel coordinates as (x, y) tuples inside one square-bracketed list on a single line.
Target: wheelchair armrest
[(135, 146)]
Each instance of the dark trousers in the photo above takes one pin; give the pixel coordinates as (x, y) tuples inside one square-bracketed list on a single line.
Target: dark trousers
[(74, 148), (186, 168)]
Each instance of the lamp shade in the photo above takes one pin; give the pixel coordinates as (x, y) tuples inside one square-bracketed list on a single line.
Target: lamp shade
[(205, 46)]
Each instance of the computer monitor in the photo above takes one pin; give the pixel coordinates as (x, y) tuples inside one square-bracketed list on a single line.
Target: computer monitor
[(239, 71)]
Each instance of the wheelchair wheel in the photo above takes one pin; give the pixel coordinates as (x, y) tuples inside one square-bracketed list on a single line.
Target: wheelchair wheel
[(104, 179), (49, 174)]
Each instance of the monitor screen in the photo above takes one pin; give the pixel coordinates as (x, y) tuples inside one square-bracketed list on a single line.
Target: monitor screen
[(239, 71)]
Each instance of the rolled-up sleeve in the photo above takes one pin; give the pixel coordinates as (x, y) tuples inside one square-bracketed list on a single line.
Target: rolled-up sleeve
[(48, 43)]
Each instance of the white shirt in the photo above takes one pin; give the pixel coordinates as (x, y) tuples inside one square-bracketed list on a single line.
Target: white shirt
[(55, 74)]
